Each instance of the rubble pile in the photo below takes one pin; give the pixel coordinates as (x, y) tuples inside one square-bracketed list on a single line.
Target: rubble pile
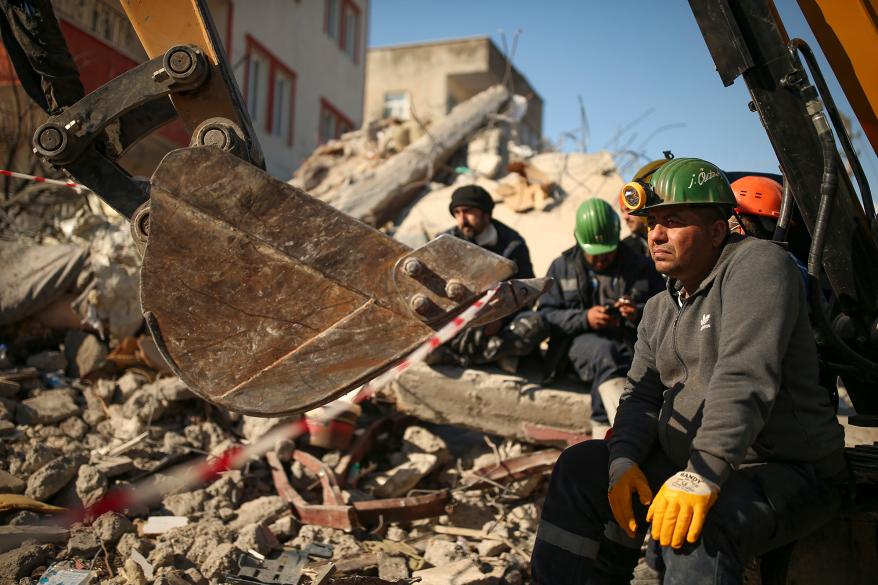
[(418, 501), (88, 407), (537, 192)]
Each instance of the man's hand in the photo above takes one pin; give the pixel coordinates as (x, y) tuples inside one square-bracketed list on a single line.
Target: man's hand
[(625, 479), (680, 508), (627, 309), (599, 318)]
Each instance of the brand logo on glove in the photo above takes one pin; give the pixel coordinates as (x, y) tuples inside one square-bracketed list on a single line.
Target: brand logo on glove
[(689, 483)]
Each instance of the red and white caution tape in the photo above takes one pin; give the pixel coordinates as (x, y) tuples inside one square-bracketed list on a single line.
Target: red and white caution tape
[(209, 469), (75, 186)]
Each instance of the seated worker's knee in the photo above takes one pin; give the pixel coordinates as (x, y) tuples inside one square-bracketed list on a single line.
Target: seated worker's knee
[(584, 466), (593, 348), (521, 337)]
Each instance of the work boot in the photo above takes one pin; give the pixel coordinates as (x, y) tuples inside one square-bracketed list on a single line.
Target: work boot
[(611, 391)]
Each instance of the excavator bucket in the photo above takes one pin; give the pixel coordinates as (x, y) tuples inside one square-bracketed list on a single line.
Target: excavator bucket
[(267, 301), (261, 298)]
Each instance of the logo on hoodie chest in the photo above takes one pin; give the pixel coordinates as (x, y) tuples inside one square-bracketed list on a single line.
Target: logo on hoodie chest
[(705, 321)]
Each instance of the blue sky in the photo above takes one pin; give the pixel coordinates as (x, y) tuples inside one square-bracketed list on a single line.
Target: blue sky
[(642, 67)]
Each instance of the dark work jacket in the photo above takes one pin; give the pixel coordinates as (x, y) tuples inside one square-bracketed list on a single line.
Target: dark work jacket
[(509, 244), (638, 243), (578, 287)]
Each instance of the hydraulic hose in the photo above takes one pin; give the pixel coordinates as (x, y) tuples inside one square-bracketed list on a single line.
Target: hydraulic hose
[(786, 211), (828, 187), (837, 123)]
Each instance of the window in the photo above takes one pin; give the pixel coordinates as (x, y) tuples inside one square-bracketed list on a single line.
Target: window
[(282, 106), (257, 74), (396, 105), (351, 28), (332, 122), (271, 91), (342, 25), (333, 19)]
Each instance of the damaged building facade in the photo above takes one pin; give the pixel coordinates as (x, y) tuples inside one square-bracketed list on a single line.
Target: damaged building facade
[(426, 81)]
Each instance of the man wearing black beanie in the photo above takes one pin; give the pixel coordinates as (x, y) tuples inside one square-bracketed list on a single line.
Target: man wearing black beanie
[(471, 207)]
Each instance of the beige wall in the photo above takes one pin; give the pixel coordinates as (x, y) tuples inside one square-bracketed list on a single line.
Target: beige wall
[(294, 33), (440, 75), (422, 71)]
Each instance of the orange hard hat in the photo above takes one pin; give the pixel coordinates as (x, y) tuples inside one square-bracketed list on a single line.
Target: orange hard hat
[(758, 196)]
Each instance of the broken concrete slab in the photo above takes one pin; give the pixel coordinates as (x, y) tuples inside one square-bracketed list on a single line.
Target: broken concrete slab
[(50, 407), (84, 352), (9, 484), (74, 427), (18, 563), (186, 503), (83, 542), (111, 526), (444, 552), (220, 561), (156, 525), (490, 401), (463, 572), (112, 466), (172, 389), (266, 510), (91, 484), (51, 478), (417, 439), (402, 478), (392, 568), (257, 537)]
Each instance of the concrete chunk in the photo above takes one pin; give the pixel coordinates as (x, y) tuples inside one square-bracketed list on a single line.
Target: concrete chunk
[(399, 480), (489, 401), (50, 478), (84, 352), (419, 440), (9, 484), (463, 572), (48, 408)]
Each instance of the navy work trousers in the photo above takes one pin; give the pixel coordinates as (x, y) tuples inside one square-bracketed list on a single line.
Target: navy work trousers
[(761, 507), (596, 359)]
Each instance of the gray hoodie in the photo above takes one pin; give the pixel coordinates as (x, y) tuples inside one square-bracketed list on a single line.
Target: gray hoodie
[(729, 375)]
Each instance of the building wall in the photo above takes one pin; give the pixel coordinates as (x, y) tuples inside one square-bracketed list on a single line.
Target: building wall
[(422, 70), (439, 75), (291, 38)]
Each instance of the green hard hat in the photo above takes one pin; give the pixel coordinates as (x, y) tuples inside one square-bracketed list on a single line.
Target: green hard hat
[(688, 181), (597, 227)]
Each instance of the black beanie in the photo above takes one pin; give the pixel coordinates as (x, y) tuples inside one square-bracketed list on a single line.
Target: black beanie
[(471, 196)]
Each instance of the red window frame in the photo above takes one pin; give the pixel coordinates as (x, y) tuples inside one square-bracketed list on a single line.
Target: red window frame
[(326, 105), (275, 64), (345, 5)]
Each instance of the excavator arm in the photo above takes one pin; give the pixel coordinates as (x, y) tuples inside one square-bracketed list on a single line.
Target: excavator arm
[(747, 39), (261, 298)]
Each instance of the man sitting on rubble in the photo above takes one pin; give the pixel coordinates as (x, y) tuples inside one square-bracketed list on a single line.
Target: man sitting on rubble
[(722, 417), (590, 312), (471, 207)]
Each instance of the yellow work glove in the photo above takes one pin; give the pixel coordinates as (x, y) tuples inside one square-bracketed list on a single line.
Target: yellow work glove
[(680, 507), (625, 479)]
